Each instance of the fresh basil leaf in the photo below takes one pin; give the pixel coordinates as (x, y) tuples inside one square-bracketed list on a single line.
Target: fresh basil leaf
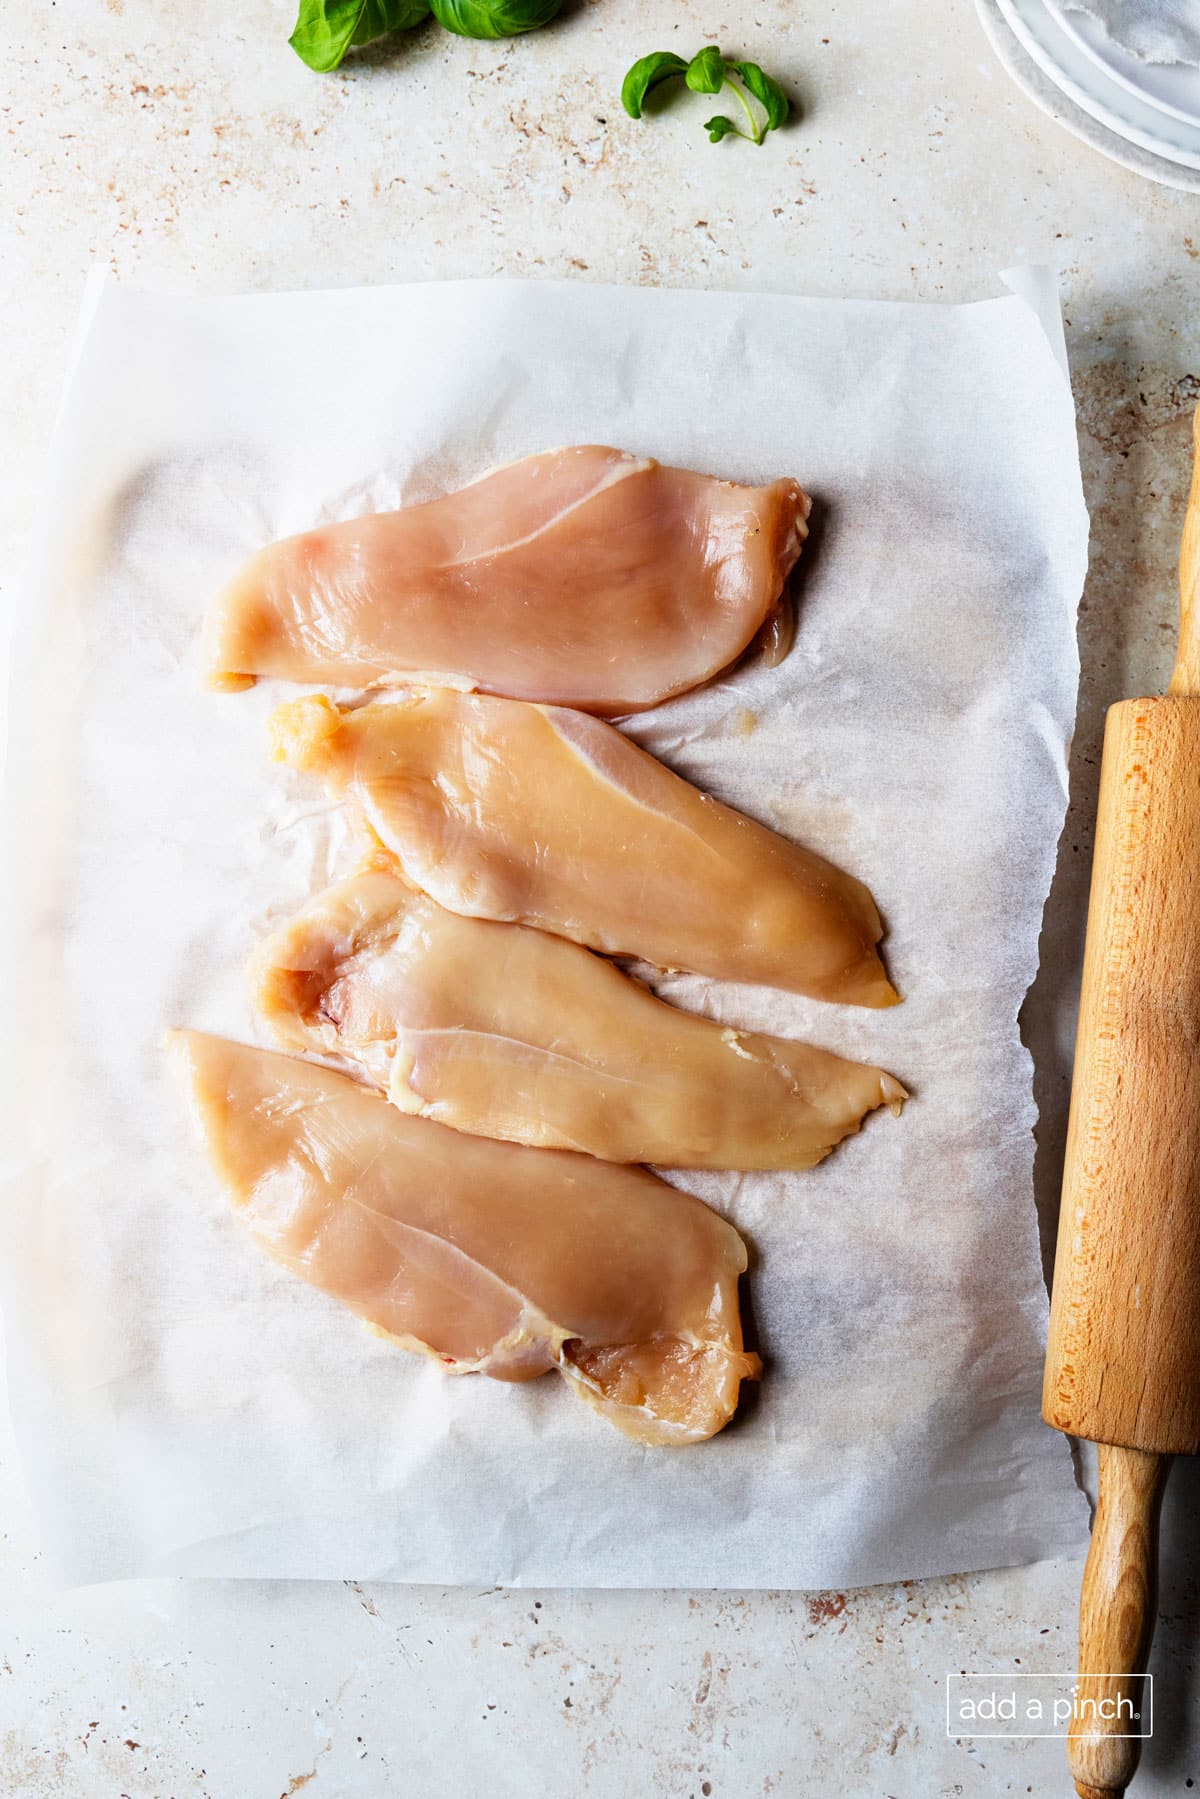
[(768, 93), (647, 73), (721, 127), (706, 71), (325, 29), (381, 16), (494, 18)]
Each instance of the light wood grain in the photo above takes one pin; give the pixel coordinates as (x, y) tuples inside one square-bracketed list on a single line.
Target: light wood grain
[(1186, 675), (1116, 1622), (1123, 1360), (1123, 1364)]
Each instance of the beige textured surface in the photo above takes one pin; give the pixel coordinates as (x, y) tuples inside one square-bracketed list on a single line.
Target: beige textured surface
[(173, 147)]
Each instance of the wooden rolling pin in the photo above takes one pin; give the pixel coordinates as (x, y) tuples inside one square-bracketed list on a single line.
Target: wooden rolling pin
[(1123, 1363)]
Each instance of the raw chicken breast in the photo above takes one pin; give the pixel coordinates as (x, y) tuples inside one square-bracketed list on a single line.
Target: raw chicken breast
[(493, 1258), (584, 576), (507, 1032), (540, 816)]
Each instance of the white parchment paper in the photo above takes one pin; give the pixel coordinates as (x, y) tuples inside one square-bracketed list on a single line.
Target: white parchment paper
[(185, 1407)]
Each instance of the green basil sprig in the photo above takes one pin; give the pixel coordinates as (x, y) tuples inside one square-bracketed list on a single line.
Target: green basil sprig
[(709, 73), (325, 29), (705, 74), (647, 73), (494, 18)]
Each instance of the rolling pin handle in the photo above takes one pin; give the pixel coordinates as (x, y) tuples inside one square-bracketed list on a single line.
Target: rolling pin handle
[(1186, 675), (1123, 1358), (1116, 1622)]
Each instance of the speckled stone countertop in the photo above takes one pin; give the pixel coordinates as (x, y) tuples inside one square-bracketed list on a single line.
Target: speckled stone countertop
[(186, 145)]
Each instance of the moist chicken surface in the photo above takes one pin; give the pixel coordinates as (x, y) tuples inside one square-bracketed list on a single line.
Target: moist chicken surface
[(494, 1258), (507, 1032), (584, 576), (543, 816)]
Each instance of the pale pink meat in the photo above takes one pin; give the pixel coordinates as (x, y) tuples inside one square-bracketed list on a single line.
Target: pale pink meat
[(493, 1258), (541, 816), (508, 1032), (583, 576)]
